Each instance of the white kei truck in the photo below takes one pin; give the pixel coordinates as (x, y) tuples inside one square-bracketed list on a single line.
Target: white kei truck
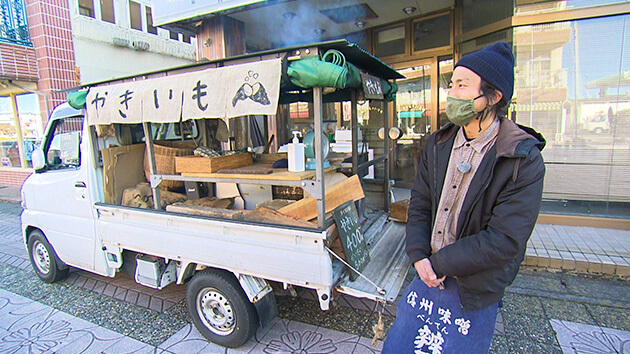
[(227, 264)]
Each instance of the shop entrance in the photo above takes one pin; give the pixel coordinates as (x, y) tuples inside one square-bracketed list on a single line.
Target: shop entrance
[(419, 111)]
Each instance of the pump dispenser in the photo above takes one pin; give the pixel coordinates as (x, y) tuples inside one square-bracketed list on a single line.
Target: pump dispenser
[(295, 154)]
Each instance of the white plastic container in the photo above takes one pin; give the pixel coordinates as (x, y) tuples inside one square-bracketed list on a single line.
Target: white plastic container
[(295, 154)]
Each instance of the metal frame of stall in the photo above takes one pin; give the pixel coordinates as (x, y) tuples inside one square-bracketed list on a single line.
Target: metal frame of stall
[(316, 187)]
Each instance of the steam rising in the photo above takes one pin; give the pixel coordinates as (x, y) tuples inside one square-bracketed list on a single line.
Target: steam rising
[(302, 28)]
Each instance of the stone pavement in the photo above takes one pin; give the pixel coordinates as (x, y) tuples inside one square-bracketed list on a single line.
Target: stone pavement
[(543, 312), (32, 327)]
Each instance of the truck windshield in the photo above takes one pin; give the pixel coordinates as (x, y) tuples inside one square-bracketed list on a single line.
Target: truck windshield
[(62, 150)]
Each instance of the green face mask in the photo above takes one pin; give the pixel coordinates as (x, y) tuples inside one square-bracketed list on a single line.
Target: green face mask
[(460, 111)]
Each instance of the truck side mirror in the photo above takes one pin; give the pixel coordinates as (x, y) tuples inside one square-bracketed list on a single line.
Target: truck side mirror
[(39, 161)]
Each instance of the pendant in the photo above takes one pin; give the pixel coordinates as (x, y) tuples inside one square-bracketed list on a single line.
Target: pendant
[(464, 167)]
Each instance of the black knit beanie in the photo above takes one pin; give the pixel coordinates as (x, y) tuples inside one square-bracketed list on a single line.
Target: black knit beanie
[(495, 64)]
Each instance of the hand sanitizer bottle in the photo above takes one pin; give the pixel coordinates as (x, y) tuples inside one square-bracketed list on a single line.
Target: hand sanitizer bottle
[(295, 154)]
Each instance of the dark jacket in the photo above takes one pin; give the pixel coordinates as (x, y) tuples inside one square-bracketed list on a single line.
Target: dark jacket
[(497, 216)]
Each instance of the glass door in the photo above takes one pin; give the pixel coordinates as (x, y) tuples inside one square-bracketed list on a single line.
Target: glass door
[(420, 111), (413, 116)]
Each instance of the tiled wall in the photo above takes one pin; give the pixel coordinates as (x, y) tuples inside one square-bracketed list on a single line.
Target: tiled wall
[(18, 62), (13, 176), (50, 30)]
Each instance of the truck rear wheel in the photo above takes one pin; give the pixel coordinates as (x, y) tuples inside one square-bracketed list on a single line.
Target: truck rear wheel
[(43, 258), (220, 309)]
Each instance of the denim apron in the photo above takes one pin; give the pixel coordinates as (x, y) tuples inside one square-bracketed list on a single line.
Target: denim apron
[(430, 320)]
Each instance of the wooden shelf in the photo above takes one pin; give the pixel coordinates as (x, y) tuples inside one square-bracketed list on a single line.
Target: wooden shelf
[(278, 174)]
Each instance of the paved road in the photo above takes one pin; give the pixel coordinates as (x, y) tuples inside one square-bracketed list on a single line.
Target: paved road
[(543, 312)]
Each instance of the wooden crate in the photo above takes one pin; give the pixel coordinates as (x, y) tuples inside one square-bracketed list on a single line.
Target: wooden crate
[(400, 210), (270, 158), (199, 164)]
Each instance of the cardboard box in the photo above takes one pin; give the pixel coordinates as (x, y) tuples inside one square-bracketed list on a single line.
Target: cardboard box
[(122, 168), (199, 164)]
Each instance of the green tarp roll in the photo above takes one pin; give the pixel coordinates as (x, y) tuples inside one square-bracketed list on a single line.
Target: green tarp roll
[(76, 99)]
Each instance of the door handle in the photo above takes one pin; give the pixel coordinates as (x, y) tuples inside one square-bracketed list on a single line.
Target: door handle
[(79, 184)]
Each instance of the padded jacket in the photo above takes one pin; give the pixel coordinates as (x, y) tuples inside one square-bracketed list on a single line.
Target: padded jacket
[(497, 217)]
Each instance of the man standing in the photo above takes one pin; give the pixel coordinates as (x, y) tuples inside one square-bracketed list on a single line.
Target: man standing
[(473, 207)]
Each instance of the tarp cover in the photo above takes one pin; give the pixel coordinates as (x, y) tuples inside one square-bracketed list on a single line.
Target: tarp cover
[(76, 99), (231, 91)]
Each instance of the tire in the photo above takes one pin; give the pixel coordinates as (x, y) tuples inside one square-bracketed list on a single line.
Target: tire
[(44, 260), (220, 309)]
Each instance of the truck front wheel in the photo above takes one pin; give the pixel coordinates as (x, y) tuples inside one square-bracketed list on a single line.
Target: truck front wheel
[(220, 309), (43, 258)]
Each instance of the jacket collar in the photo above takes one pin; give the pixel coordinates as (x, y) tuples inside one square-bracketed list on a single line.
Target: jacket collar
[(513, 140)]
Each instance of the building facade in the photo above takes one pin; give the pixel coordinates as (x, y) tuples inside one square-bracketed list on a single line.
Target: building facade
[(572, 77), (572, 71), (50, 46)]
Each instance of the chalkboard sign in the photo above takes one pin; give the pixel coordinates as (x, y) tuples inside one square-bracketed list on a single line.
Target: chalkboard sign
[(352, 240)]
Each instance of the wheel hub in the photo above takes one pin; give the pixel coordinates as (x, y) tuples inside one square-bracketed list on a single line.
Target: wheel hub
[(216, 312), (41, 258)]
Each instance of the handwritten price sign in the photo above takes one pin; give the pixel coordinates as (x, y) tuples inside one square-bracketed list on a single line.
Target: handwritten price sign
[(352, 240)]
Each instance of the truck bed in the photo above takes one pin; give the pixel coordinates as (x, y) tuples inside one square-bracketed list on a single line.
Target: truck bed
[(291, 254)]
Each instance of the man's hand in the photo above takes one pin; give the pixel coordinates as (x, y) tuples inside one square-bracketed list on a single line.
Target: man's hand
[(426, 273)]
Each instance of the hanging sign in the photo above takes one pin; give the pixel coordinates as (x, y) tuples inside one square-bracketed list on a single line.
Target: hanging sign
[(226, 92), (372, 88)]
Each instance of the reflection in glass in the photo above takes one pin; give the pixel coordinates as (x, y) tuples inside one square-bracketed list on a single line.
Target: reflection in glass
[(529, 7), (445, 68), (479, 13), (12, 154), (413, 117), (576, 91), (390, 41)]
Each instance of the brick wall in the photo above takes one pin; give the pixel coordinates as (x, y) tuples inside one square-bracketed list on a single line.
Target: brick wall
[(17, 62), (13, 177), (51, 33)]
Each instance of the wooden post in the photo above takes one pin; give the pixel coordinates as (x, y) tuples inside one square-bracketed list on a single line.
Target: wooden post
[(148, 139), (18, 130), (220, 37), (354, 124)]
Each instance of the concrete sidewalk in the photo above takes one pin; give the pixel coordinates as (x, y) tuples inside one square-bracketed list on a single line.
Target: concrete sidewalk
[(572, 248), (10, 194)]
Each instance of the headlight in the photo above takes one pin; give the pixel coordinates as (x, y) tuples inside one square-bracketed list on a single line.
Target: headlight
[(23, 199)]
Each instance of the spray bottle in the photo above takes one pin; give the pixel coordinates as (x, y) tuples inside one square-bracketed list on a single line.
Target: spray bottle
[(295, 154)]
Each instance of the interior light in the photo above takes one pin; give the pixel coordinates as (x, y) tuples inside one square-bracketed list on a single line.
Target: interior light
[(409, 10)]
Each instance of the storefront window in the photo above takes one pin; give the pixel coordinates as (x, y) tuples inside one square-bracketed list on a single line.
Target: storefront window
[(445, 69), (576, 91), (479, 13), (12, 154), (432, 33), (413, 105), (483, 41), (390, 41)]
